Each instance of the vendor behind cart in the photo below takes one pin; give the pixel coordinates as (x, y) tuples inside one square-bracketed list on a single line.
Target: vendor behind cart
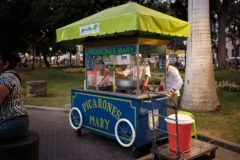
[(144, 72), (174, 82)]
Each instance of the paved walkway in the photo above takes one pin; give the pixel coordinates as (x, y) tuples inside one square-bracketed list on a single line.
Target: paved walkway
[(58, 141)]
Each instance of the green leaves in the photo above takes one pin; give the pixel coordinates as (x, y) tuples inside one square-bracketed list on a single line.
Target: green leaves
[(34, 22), (14, 18)]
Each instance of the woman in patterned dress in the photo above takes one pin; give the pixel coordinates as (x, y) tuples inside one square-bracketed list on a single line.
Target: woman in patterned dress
[(13, 116)]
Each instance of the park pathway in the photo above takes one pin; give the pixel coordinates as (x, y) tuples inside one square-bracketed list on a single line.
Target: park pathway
[(58, 141)]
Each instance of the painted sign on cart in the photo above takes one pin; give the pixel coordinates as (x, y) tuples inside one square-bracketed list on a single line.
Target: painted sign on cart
[(113, 50), (101, 104), (89, 29), (127, 120), (101, 113)]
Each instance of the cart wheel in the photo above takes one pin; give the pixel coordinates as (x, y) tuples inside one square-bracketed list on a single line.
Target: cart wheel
[(75, 118), (124, 132), (213, 154), (78, 132)]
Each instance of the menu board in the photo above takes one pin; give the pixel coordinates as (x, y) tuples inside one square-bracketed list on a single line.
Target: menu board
[(109, 59), (162, 63), (89, 63)]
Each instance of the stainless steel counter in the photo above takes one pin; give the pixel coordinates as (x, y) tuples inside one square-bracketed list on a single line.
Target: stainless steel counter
[(122, 94)]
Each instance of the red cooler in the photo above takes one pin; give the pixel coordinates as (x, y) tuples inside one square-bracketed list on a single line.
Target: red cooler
[(184, 132)]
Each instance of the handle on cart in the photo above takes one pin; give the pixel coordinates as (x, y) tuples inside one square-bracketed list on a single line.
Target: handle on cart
[(160, 99)]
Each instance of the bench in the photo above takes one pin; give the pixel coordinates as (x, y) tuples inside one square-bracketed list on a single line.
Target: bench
[(26, 148)]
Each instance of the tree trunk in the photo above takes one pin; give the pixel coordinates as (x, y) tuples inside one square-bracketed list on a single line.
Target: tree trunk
[(46, 61), (199, 86), (222, 63)]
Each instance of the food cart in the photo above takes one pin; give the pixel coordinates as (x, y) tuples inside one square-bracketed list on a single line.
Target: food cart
[(117, 38)]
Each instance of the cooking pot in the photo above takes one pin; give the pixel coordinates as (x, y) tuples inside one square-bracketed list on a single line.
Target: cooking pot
[(126, 84), (153, 88)]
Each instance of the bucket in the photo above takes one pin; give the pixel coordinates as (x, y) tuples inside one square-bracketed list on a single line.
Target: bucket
[(184, 132)]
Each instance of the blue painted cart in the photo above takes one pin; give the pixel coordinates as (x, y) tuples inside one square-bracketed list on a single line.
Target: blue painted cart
[(124, 117)]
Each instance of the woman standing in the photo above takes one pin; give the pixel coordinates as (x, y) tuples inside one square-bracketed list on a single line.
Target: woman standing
[(13, 116)]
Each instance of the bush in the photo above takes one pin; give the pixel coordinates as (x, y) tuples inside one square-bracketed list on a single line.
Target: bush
[(230, 86), (74, 70), (155, 78)]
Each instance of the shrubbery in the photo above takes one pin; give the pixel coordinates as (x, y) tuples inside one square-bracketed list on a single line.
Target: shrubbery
[(74, 70), (155, 78), (230, 86)]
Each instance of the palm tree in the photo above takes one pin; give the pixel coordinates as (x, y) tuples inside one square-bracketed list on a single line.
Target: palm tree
[(199, 86)]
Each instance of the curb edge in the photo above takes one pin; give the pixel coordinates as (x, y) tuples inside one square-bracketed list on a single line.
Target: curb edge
[(220, 142), (45, 108)]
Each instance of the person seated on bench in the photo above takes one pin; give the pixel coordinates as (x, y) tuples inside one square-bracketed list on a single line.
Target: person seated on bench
[(13, 116)]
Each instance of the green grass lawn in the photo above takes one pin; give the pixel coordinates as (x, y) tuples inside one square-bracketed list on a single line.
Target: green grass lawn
[(223, 124), (58, 86)]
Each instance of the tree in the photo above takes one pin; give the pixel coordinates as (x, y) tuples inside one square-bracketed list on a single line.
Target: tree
[(199, 86), (233, 29), (233, 25), (221, 9), (33, 23), (14, 20), (178, 8)]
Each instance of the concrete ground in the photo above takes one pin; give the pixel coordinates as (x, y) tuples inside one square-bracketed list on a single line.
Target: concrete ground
[(59, 142)]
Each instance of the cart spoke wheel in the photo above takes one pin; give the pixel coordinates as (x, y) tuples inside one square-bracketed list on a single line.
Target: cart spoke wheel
[(121, 129), (121, 132), (124, 132), (128, 128), (75, 118)]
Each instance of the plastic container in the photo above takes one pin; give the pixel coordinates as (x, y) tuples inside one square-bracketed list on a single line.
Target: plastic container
[(184, 132)]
